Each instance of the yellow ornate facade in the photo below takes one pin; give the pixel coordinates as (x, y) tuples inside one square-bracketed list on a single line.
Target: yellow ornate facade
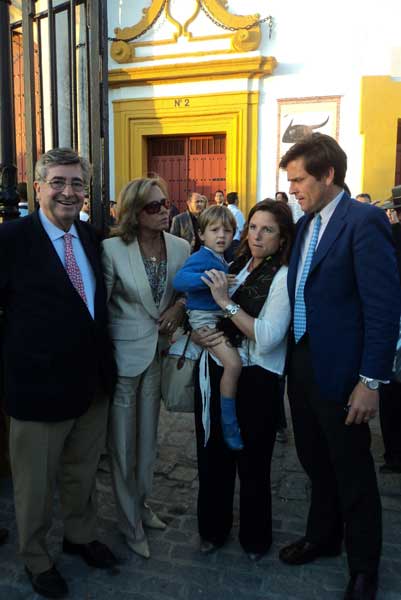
[(234, 114), (245, 34)]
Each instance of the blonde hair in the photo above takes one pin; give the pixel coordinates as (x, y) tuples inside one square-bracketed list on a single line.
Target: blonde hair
[(216, 213), (132, 199)]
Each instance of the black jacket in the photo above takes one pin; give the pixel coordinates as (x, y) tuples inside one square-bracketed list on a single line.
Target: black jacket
[(55, 355)]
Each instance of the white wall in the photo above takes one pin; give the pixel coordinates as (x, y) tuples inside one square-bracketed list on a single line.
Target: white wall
[(323, 49)]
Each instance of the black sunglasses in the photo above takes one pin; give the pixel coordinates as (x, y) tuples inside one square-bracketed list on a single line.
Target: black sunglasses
[(155, 207)]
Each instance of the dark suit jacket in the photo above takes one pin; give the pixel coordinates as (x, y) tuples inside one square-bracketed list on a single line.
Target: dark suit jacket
[(352, 298), (54, 353), (182, 227)]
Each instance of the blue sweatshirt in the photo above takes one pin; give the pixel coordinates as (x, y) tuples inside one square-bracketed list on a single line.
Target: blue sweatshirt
[(188, 279)]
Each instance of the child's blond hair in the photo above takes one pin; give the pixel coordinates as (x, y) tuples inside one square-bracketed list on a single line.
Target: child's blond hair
[(216, 213)]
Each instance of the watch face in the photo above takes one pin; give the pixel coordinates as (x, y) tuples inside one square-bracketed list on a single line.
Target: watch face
[(373, 385)]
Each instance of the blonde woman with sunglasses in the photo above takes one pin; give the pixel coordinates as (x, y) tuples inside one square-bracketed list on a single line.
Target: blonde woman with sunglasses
[(140, 261)]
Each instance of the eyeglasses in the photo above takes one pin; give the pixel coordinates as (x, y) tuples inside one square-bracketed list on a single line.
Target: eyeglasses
[(59, 185), (155, 207)]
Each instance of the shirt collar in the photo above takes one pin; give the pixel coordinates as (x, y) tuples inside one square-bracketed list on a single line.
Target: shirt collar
[(219, 256), (52, 230), (329, 209)]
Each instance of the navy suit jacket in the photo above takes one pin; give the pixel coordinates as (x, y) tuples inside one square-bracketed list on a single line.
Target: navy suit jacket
[(55, 355), (352, 298)]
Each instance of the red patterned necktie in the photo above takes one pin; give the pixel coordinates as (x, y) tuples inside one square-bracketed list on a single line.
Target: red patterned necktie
[(72, 268)]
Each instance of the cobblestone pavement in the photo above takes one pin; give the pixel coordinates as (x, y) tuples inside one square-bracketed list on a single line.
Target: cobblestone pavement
[(176, 570)]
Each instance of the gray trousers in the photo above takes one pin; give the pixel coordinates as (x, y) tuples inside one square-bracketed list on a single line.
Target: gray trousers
[(134, 418), (44, 453)]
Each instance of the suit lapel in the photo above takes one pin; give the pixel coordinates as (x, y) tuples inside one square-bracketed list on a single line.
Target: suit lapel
[(49, 259), (295, 256), (171, 270), (331, 233), (90, 250), (141, 279)]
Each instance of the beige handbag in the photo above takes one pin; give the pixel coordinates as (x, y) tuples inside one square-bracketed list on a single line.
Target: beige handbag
[(178, 380)]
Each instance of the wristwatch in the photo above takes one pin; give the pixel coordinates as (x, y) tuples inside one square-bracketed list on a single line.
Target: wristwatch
[(371, 384), (231, 310)]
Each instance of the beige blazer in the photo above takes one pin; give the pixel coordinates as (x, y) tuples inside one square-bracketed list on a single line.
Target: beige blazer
[(133, 314)]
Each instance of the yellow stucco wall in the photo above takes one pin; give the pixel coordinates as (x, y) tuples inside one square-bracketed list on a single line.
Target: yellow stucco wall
[(380, 111)]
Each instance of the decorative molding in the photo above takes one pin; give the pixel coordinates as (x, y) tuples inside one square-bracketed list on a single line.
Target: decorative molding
[(244, 30), (253, 67), (149, 15), (234, 114), (218, 10), (190, 20)]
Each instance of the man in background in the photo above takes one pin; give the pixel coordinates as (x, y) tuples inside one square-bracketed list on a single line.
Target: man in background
[(364, 198), (232, 205), (85, 212), (390, 395), (219, 198), (185, 225)]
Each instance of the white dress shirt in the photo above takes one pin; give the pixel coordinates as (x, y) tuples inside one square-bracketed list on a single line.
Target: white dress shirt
[(56, 236), (269, 348), (326, 213), (240, 219)]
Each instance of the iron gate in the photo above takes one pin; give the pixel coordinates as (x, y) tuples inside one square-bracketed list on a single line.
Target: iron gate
[(63, 66)]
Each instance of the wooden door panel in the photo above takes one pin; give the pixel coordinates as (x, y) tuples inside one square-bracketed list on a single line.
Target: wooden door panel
[(189, 164)]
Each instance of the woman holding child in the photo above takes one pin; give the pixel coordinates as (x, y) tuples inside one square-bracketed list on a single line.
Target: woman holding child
[(257, 320)]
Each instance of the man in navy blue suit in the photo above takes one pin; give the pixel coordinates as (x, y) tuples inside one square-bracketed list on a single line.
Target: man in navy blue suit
[(55, 319), (345, 295)]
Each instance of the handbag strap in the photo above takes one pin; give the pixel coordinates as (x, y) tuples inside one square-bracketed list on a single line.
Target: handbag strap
[(181, 360)]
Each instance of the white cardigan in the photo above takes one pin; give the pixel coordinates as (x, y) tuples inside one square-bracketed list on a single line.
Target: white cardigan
[(271, 328)]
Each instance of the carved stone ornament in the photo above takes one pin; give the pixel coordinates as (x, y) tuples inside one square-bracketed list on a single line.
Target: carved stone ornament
[(244, 30)]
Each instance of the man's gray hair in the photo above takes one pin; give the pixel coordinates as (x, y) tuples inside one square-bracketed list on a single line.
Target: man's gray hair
[(61, 156)]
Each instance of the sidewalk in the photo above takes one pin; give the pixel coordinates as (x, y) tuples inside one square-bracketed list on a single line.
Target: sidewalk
[(176, 570)]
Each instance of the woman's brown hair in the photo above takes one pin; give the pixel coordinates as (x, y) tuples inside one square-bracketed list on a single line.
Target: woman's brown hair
[(283, 217), (132, 199)]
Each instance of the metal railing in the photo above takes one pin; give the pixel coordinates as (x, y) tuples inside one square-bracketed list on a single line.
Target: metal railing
[(65, 89)]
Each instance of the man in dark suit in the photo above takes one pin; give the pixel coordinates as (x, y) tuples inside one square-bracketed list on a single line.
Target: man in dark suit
[(345, 294), (185, 225), (390, 395), (53, 296)]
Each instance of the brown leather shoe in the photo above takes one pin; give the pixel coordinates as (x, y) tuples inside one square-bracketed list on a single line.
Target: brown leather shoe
[(362, 586), (49, 584), (302, 552), (3, 536), (95, 554)]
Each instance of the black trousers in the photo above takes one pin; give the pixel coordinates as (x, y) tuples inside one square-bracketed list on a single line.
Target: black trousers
[(345, 498), (257, 411), (390, 421)]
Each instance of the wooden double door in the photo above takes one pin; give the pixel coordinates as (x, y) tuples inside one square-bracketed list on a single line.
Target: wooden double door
[(189, 164)]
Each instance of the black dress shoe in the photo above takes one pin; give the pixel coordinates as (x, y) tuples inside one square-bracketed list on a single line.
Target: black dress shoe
[(361, 586), (390, 467), (255, 556), (95, 554), (207, 547), (49, 584), (3, 536), (302, 552)]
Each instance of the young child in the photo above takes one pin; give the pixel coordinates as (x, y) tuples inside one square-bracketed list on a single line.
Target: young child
[(216, 229)]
